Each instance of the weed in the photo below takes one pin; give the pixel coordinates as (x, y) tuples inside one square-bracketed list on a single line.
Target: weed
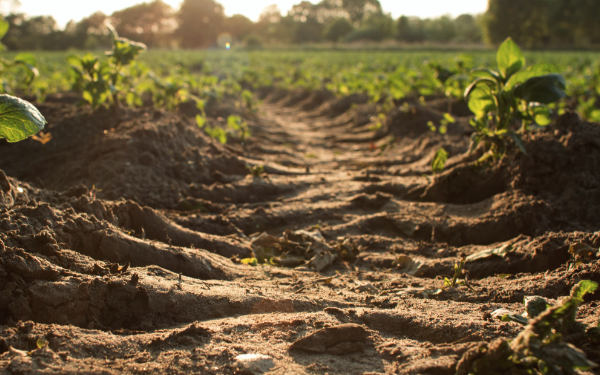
[(458, 269), (439, 160), (99, 80), (541, 348), (500, 98), (256, 171)]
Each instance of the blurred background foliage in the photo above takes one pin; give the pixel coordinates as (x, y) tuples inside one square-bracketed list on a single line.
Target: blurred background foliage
[(201, 23)]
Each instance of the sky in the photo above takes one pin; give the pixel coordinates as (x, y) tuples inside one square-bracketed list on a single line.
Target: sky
[(65, 10)]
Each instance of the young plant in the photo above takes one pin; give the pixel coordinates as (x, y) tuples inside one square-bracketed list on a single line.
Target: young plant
[(458, 268), (90, 77), (214, 132), (439, 160), (103, 80), (168, 93), (249, 102), (500, 98), (540, 348), (19, 119), (240, 127), (27, 61)]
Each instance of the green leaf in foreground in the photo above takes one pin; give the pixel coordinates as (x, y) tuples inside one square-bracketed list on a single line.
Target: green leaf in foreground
[(439, 160), (19, 119), (510, 58), (544, 89), (584, 287)]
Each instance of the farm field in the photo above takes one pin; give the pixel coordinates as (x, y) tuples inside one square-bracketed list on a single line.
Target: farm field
[(303, 212)]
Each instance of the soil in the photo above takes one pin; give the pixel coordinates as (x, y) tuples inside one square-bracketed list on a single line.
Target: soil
[(121, 239)]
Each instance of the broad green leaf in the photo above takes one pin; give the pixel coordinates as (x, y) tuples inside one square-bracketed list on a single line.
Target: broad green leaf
[(29, 61), (486, 73), (75, 61), (481, 101), (4, 26), (541, 115), (19, 119), (510, 58), (544, 89), (234, 121), (26, 58), (479, 82), (439, 160), (584, 287), (533, 71)]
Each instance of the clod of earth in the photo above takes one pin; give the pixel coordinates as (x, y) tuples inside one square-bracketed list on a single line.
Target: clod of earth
[(338, 340)]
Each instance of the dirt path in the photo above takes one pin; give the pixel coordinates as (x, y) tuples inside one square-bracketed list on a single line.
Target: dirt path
[(118, 286)]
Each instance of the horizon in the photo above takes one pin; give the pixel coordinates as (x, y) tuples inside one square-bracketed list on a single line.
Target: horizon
[(422, 9)]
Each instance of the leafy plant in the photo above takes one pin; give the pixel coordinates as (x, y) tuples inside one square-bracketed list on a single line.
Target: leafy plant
[(540, 348), (256, 170), (103, 80), (500, 98), (458, 268), (19, 119), (240, 127), (439, 160), (249, 102), (27, 61)]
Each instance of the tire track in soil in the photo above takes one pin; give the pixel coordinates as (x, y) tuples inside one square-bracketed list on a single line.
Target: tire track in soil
[(322, 169)]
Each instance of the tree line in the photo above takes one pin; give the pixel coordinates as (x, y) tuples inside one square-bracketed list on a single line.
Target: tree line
[(203, 23)]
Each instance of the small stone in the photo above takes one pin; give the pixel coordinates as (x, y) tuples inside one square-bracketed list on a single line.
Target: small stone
[(256, 363)]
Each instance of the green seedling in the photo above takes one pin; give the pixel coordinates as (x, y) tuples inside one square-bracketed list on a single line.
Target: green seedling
[(458, 268), (27, 61), (41, 342), (439, 160), (99, 80), (500, 98), (541, 347), (214, 132), (19, 119), (444, 123), (249, 102), (168, 93), (239, 127), (256, 171)]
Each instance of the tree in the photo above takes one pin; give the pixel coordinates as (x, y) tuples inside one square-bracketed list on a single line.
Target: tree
[(90, 32), (307, 27), (376, 27), (527, 22), (410, 29), (338, 29), (148, 23), (238, 26), (200, 22), (358, 10), (440, 30), (28, 33), (468, 29)]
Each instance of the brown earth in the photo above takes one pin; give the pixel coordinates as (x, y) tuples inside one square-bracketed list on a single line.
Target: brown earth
[(121, 239)]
